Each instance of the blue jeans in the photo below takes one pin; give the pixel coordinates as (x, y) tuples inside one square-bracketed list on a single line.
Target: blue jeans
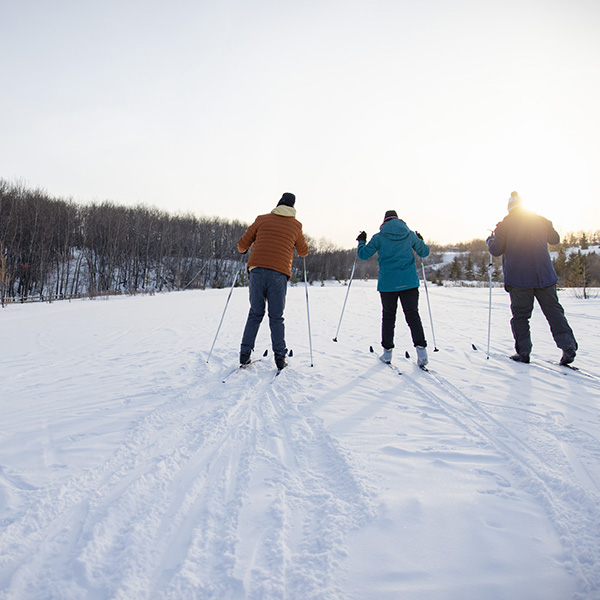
[(266, 287)]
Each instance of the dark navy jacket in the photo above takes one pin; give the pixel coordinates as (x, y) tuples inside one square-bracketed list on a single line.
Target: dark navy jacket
[(522, 239)]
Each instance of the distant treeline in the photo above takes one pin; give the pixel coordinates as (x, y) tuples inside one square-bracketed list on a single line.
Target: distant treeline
[(575, 264), (52, 248)]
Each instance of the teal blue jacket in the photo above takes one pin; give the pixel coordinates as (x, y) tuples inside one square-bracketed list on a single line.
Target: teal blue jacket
[(395, 243)]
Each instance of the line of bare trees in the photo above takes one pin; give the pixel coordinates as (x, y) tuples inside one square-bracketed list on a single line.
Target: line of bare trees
[(53, 249)]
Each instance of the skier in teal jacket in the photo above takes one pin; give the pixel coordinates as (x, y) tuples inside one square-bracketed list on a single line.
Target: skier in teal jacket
[(398, 279)]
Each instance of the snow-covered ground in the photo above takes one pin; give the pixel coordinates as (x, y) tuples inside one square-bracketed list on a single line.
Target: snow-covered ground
[(129, 470)]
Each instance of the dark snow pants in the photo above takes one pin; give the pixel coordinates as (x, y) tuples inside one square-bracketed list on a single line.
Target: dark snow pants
[(521, 305), (410, 305), (266, 287)]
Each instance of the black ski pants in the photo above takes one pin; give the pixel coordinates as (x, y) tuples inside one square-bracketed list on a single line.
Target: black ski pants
[(521, 305), (410, 305)]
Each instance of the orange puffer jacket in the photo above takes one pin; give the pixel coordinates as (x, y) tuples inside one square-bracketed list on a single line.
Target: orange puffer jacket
[(273, 238)]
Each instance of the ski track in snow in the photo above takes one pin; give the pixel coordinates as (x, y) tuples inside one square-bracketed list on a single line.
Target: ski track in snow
[(311, 497), (548, 475), (240, 490)]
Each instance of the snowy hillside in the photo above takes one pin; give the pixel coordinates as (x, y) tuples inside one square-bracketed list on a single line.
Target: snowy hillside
[(129, 470)]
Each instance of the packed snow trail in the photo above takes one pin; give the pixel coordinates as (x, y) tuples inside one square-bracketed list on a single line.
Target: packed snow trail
[(182, 479), (540, 467), (129, 470)]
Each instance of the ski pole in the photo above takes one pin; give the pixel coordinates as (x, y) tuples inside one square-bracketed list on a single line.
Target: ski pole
[(346, 299), (435, 348), (308, 314), (225, 309), (490, 308), (194, 277)]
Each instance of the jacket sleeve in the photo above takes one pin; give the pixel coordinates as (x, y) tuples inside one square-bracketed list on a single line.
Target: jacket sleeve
[(552, 235), (497, 241), (365, 251), (248, 238), (301, 245), (419, 246)]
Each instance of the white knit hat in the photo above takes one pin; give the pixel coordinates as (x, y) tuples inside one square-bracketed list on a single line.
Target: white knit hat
[(514, 201)]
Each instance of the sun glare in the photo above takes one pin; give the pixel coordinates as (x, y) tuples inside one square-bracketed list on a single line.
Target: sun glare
[(550, 177)]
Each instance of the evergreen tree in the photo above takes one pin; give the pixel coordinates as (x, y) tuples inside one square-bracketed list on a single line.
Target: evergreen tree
[(497, 274), (455, 269), (583, 241), (578, 272), (560, 264), (469, 269), (482, 269)]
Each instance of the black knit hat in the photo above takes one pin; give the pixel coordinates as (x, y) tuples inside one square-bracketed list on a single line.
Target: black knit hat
[(287, 199), (390, 214)]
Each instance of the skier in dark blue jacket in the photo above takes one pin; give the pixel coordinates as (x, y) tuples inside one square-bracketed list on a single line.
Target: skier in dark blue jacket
[(522, 239), (398, 279)]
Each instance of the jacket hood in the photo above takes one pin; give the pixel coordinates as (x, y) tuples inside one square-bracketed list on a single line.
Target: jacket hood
[(284, 211), (395, 229)]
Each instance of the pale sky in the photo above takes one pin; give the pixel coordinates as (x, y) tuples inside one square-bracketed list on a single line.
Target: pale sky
[(437, 109)]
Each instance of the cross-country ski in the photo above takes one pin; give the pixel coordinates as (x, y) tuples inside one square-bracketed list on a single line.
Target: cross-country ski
[(391, 365)]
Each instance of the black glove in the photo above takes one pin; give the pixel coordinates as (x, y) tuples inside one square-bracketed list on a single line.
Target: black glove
[(419, 235), (362, 237)]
